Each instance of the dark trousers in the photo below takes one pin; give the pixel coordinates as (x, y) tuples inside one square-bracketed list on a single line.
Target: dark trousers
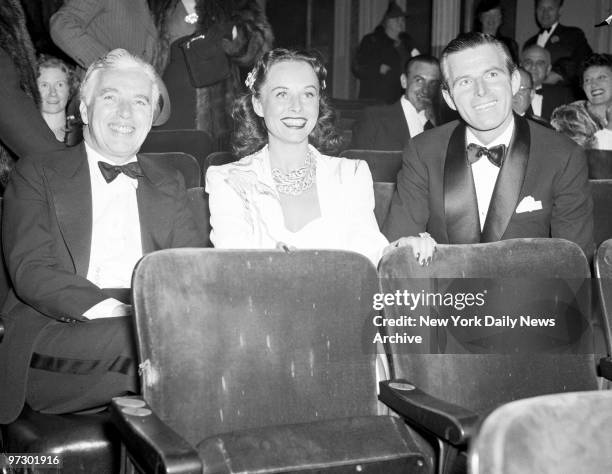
[(81, 366)]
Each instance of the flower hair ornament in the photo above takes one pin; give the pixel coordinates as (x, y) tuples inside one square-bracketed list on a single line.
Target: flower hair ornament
[(250, 80)]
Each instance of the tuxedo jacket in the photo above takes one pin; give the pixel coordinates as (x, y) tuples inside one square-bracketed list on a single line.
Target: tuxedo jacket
[(382, 127), (553, 96), (46, 237), (568, 49), (435, 189), (87, 29)]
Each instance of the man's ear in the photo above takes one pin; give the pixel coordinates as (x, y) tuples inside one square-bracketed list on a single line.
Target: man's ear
[(515, 81), (257, 107), (548, 69), (404, 81), (83, 111), (448, 99)]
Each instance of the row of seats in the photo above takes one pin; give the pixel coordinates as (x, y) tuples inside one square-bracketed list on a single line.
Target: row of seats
[(277, 368)]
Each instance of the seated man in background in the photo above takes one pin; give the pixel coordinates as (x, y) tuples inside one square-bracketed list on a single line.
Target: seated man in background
[(75, 222), (521, 100), (494, 176), (536, 61), (388, 127)]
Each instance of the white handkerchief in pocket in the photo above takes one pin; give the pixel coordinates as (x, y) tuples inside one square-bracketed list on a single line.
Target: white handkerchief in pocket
[(528, 204)]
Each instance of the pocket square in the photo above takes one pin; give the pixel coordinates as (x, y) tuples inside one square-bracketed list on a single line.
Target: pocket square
[(528, 204)]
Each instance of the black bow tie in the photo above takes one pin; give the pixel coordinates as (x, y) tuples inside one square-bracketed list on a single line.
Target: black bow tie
[(545, 30), (110, 172), (494, 154), (539, 91)]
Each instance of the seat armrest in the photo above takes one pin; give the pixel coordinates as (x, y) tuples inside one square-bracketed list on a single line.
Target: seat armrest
[(605, 367), (450, 422), (151, 445)]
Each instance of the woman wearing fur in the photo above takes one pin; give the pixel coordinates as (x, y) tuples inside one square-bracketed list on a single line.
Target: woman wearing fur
[(246, 36), (22, 129), (284, 192)]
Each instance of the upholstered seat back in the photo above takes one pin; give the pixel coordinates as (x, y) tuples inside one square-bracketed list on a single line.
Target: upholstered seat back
[(232, 340), (478, 367), (384, 165), (601, 190)]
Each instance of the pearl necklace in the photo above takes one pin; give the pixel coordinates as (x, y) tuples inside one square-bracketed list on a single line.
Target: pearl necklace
[(295, 182)]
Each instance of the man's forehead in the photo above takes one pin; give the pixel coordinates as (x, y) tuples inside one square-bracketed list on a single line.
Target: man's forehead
[(483, 56), (124, 79), (536, 54), (422, 68)]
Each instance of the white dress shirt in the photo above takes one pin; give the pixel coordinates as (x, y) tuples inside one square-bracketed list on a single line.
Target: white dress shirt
[(116, 244), (416, 120), (484, 172), (545, 35), (536, 103)]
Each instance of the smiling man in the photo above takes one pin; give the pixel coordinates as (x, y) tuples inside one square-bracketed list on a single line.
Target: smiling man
[(388, 127), (494, 175), (74, 225)]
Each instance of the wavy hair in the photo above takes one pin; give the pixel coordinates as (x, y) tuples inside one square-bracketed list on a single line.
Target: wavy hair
[(575, 122), (51, 62), (250, 133)]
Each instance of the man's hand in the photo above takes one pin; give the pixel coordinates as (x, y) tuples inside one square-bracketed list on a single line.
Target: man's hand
[(121, 310), (384, 69)]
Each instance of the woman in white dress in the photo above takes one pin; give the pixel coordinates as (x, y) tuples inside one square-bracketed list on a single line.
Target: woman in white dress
[(284, 193)]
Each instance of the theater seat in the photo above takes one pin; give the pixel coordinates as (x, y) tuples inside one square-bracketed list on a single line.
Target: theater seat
[(217, 158), (87, 444), (552, 434), (383, 192), (458, 374), (600, 164), (182, 162), (198, 204), (260, 361), (603, 274), (196, 143), (601, 190), (384, 165)]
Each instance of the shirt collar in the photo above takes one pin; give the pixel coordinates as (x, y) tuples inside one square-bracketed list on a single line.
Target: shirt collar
[(502, 139), (407, 105), (94, 156), (552, 28)]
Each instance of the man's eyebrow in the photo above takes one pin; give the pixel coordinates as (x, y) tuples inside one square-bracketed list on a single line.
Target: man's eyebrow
[(108, 89), (143, 96)]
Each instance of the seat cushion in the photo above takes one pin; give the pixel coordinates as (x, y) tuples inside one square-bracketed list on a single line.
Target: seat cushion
[(87, 443), (374, 443)]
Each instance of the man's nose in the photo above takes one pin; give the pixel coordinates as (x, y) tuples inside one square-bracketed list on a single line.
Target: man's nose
[(481, 87), (125, 108)]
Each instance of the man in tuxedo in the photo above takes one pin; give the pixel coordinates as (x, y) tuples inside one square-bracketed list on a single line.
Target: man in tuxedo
[(567, 45), (388, 127), (521, 100), (495, 175), (536, 60), (75, 222)]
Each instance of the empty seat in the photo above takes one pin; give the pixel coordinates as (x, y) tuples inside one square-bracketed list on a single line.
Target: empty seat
[(217, 158), (184, 163), (384, 165), (260, 361), (457, 375), (552, 434), (196, 143)]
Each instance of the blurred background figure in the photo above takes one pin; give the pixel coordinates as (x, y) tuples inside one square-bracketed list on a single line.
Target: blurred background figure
[(489, 18), (536, 61), (22, 128), (567, 45), (242, 35), (57, 83), (388, 127), (381, 56), (521, 101), (574, 121)]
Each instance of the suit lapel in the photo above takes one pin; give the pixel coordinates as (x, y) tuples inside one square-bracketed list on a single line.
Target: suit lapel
[(460, 204), (401, 122), (70, 188), (509, 182)]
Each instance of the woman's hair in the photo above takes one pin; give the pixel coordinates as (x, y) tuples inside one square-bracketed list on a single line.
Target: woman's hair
[(250, 133), (575, 122), (51, 62), (596, 60)]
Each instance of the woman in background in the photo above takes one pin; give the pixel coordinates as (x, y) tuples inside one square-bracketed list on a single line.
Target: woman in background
[(284, 192), (246, 35), (489, 19), (57, 83)]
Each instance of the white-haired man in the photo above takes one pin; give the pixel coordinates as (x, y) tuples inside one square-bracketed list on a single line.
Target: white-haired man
[(75, 223)]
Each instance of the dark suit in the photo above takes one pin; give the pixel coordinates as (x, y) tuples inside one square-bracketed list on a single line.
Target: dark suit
[(568, 49), (435, 191), (552, 97), (46, 233), (382, 127)]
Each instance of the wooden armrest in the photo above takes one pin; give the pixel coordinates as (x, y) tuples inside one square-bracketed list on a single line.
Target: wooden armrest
[(151, 445), (445, 420)]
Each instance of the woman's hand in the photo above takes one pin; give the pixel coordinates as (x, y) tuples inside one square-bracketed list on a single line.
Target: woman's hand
[(286, 248), (423, 247)]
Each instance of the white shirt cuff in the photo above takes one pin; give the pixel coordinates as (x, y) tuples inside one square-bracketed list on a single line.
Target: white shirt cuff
[(105, 309)]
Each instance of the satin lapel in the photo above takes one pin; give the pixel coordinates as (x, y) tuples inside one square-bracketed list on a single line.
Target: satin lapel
[(460, 204), (70, 188), (509, 182), (153, 210)]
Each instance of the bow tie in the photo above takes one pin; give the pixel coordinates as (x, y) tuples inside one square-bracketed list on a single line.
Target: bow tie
[(545, 30), (110, 172), (539, 91), (494, 154)]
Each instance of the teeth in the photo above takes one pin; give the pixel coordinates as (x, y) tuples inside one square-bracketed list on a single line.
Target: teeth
[(486, 106), (294, 122), (123, 129)]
